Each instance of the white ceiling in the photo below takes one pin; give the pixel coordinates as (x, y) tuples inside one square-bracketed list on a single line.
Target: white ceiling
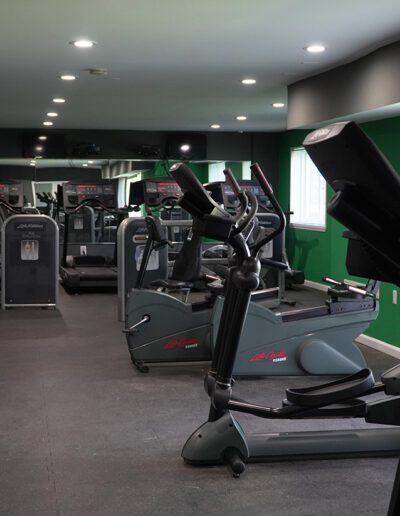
[(175, 65)]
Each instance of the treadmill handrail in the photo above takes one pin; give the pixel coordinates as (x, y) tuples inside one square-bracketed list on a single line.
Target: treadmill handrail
[(91, 202)]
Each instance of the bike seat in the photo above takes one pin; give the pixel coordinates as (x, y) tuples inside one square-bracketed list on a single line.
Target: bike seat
[(172, 284)]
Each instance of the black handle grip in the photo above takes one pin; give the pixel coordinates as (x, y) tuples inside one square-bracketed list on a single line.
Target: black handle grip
[(274, 264), (189, 183), (232, 181), (258, 173)]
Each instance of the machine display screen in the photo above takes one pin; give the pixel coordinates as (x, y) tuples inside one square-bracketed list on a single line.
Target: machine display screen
[(231, 201), (11, 194), (252, 188), (76, 193), (171, 188), (157, 191)]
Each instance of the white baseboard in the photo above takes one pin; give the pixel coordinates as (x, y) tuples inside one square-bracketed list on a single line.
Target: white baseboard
[(317, 286), (379, 345)]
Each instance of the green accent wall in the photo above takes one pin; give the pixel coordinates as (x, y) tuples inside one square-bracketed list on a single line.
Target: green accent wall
[(321, 254), (236, 167)]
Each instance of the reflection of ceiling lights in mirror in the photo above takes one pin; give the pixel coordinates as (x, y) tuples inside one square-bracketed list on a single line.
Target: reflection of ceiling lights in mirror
[(185, 147), (59, 100), (84, 164), (47, 122), (38, 148), (215, 126), (278, 105), (67, 77), (42, 138), (241, 118), (52, 114)]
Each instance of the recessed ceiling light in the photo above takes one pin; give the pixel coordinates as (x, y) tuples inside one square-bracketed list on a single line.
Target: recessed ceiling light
[(52, 114), (248, 81), (185, 147), (39, 148), (90, 162), (59, 100), (38, 157), (278, 105), (241, 118), (84, 164), (315, 49), (67, 77), (42, 138), (47, 122), (82, 43), (215, 126)]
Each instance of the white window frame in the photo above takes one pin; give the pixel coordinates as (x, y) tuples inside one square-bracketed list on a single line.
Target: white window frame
[(303, 185)]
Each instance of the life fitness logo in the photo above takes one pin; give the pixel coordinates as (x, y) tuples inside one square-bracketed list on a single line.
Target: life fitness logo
[(182, 343), (272, 356)]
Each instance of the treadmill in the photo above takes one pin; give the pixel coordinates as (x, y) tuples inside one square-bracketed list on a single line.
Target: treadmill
[(11, 203), (95, 270)]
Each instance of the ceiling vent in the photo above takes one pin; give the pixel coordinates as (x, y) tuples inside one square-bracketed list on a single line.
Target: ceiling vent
[(99, 72)]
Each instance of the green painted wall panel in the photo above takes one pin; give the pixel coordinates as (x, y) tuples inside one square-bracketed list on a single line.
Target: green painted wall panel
[(236, 168)]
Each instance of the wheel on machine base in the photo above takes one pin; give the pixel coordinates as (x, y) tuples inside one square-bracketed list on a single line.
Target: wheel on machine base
[(234, 461), (140, 366), (71, 290)]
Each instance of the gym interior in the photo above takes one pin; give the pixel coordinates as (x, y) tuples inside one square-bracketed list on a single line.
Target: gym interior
[(200, 258)]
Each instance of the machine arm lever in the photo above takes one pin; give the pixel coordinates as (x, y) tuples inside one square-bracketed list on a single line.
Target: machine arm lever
[(145, 319)]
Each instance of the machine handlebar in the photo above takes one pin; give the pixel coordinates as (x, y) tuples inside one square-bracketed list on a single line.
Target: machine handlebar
[(232, 181), (266, 187), (217, 223), (261, 179)]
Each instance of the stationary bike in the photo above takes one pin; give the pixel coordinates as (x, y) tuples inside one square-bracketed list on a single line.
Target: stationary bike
[(317, 340)]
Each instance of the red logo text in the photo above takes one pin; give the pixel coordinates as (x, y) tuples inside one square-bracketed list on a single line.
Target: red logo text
[(182, 343), (272, 356)]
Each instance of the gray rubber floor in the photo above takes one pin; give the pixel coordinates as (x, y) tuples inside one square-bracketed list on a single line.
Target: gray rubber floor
[(82, 433)]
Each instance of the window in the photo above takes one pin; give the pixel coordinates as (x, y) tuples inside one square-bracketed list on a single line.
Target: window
[(246, 172), (128, 182), (216, 172), (307, 193)]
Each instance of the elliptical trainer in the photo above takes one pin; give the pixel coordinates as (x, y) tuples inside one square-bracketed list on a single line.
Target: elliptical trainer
[(369, 207)]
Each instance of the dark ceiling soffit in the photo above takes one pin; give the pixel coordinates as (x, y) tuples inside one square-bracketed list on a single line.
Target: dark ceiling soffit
[(362, 85)]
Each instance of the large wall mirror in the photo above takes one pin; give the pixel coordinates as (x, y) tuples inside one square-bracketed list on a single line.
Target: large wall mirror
[(42, 178)]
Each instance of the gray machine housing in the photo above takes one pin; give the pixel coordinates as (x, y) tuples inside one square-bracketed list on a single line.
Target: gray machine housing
[(30, 256)]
